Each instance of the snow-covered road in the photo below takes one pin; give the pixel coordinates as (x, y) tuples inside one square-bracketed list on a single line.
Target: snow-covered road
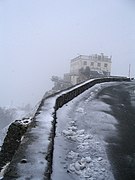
[(87, 132), (79, 151)]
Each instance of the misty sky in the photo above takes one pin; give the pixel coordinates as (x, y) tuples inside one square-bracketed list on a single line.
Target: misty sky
[(39, 37)]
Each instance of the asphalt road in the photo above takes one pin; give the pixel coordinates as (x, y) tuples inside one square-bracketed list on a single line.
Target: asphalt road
[(109, 117), (121, 148)]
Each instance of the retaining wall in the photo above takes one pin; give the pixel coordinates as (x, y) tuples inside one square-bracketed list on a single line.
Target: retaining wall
[(63, 98), (69, 95)]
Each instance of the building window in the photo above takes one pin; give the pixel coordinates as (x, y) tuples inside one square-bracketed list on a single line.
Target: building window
[(84, 62), (92, 63), (99, 64), (105, 65), (99, 57)]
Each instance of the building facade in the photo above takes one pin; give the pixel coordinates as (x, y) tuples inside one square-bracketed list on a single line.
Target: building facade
[(99, 64)]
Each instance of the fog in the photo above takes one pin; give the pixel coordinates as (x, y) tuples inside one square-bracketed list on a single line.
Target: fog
[(38, 38)]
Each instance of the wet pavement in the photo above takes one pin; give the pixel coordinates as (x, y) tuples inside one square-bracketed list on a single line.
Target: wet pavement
[(121, 148), (107, 115)]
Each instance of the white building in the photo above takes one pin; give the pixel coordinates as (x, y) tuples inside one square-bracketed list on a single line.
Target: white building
[(97, 63)]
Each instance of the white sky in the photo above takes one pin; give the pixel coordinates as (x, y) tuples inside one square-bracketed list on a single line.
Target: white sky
[(39, 37)]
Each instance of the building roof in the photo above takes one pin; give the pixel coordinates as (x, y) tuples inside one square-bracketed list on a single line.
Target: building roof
[(93, 57)]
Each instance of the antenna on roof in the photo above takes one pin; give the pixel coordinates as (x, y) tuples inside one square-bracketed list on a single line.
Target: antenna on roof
[(129, 70)]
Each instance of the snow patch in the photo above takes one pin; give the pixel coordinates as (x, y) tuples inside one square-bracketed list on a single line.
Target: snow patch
[(80, 110), (73, 155), (3, 170), (88, 160)]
